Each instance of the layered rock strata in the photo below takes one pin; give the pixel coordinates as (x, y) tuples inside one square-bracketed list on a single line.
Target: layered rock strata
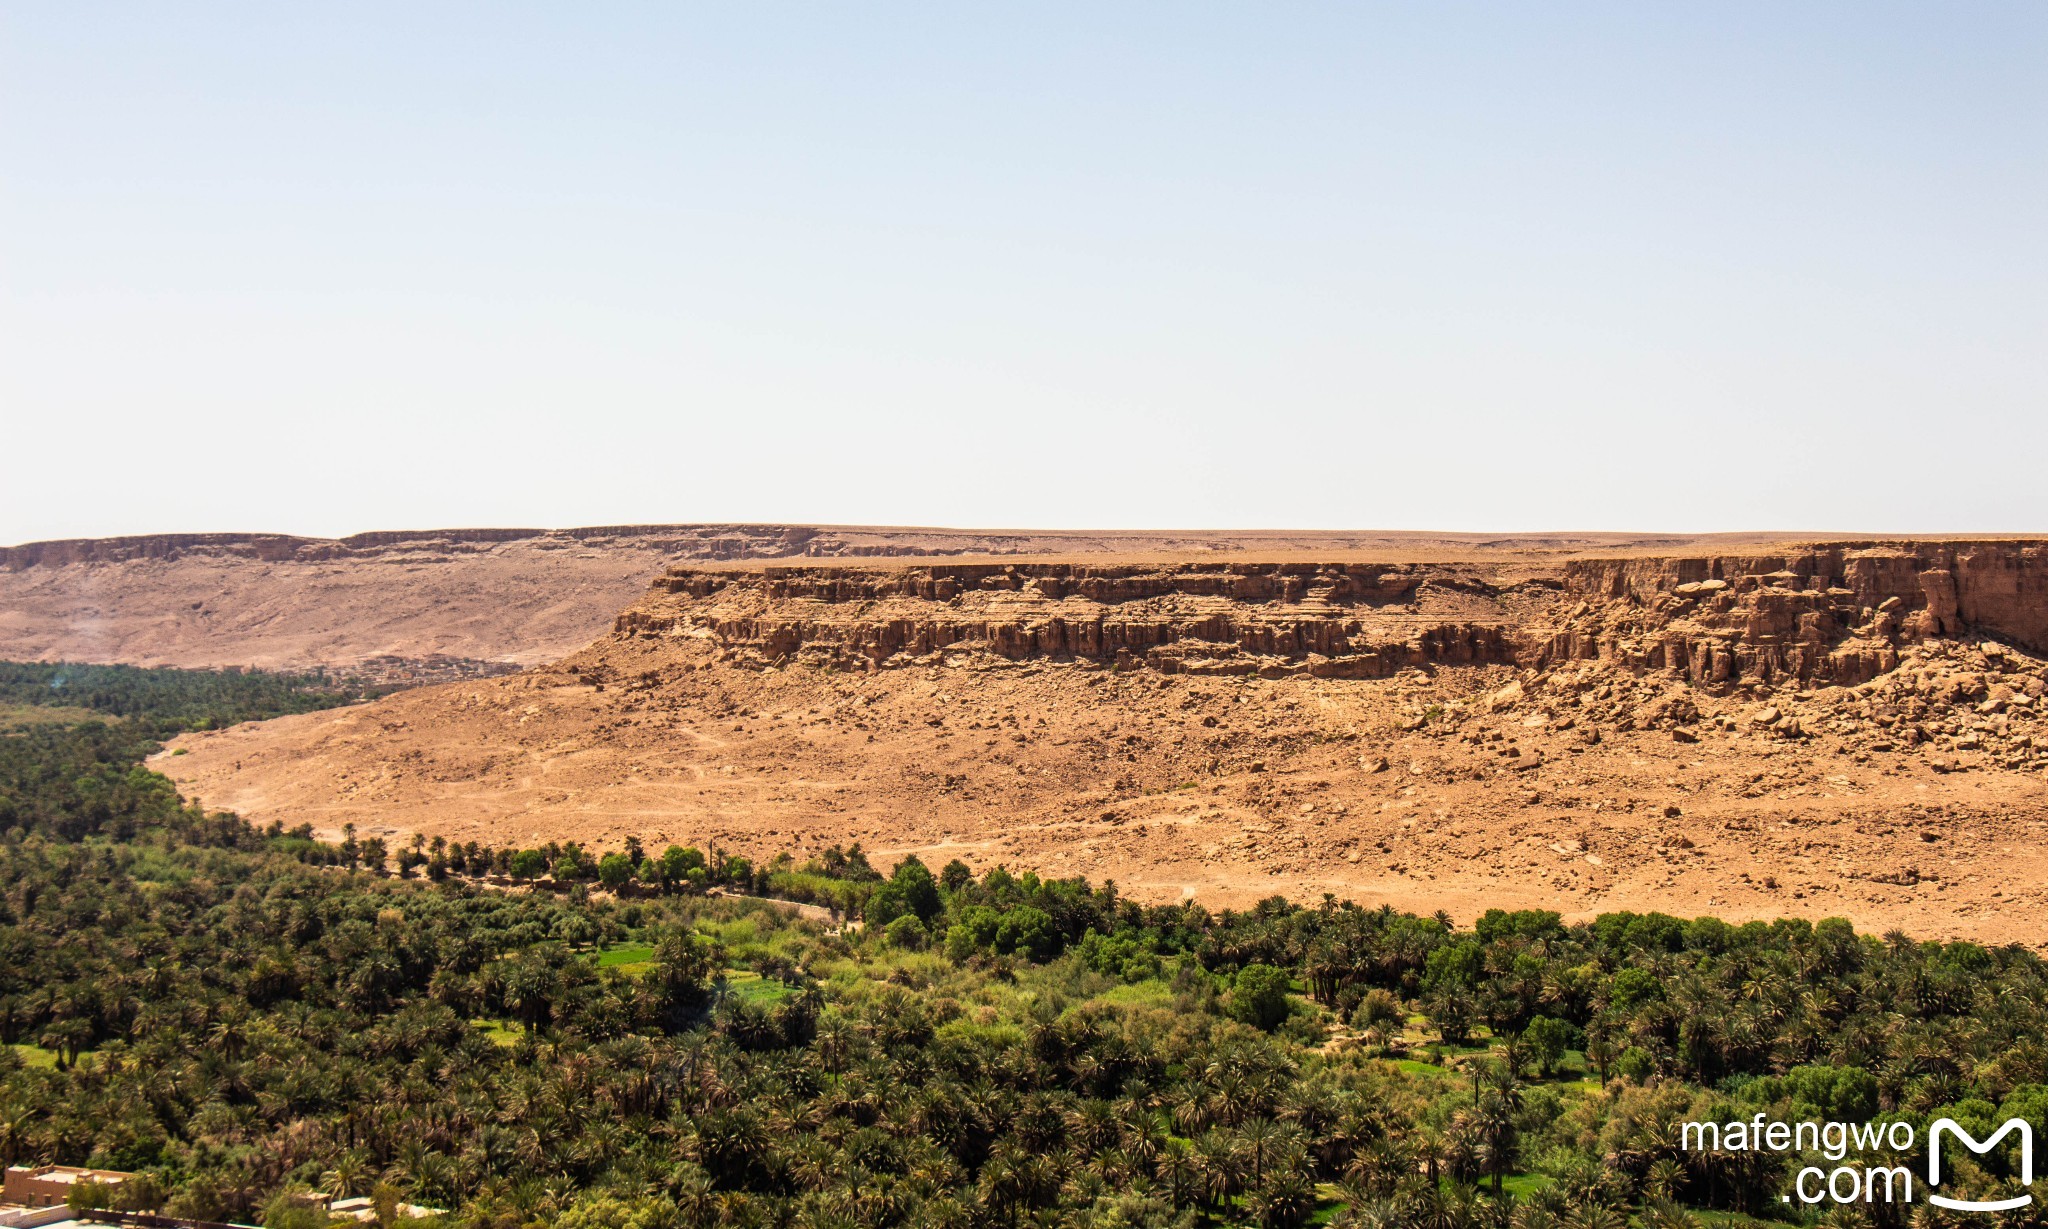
[(1836, 613)]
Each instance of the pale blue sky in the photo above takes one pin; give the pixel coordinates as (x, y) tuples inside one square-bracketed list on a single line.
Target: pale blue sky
[(327, 268)]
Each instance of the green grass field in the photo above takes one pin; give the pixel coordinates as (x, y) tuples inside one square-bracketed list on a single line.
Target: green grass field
[(626, 954), (36, 1056), (1153, 993), (753, 988), (38, 714), (498, 1031)]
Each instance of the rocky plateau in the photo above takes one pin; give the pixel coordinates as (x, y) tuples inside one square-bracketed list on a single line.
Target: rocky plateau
[(430, 605), (1848, 728)]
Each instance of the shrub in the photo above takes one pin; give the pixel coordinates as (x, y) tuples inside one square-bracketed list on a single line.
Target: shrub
[(1547, 1040), (1378, 1009), (615, 870), (1259, 997), (1029, 932), (1635, 1065), (287, 1212), (907, 932)]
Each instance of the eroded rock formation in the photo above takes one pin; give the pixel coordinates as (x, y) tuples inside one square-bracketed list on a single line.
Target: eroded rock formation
[(527, 595), (1834, 613)]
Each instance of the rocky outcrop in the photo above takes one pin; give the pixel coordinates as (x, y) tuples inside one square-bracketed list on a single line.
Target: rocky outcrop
[(1718, 611), (1830, 613), (74, 551), (1334, 620), (1933, 589)]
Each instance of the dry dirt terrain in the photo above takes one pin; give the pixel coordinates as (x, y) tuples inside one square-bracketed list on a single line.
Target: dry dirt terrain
[(407, 606), (1849, 729)]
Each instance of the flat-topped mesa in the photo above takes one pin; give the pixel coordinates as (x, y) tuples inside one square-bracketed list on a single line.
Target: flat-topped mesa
[(1835, 613), (1332, 620)]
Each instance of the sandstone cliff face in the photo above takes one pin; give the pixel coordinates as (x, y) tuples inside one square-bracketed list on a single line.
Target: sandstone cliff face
[(1831, 613), (1993, 588), (1329, 620), (1362, 603), (1835, 613)]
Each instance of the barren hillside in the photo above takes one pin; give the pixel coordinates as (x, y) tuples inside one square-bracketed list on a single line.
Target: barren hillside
[(1838, 729)]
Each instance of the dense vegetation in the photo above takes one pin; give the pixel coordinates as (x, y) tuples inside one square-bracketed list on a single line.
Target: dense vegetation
[(242, 1014), (167, 699)]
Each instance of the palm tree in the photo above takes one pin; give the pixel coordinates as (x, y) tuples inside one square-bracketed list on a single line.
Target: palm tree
[(1142, 1136), (1284, 1203), (1460, 1151), (1193, 1113), (1663, 1178), (1259, 1143), (1180, 1172), (351, 1174), (1372, 1213), (67, 1037), (1494, 1115), (1091, 1127), (14, 1132), (1660, 1212), (230, 1036), (1216, 1159), (1496, 1137)]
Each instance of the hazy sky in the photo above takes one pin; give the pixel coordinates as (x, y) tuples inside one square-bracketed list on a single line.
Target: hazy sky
[(323, 268)]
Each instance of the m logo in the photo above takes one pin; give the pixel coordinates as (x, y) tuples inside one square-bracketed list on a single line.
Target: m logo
[(1969, 1141)]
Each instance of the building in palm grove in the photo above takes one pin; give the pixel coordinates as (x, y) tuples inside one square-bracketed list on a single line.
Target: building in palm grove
[(43, 1185)]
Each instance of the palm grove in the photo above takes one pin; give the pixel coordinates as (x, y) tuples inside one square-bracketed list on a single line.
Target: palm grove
[(241, 1014)]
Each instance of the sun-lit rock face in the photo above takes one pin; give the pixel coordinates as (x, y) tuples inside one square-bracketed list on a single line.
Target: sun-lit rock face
[(1836, 613)]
